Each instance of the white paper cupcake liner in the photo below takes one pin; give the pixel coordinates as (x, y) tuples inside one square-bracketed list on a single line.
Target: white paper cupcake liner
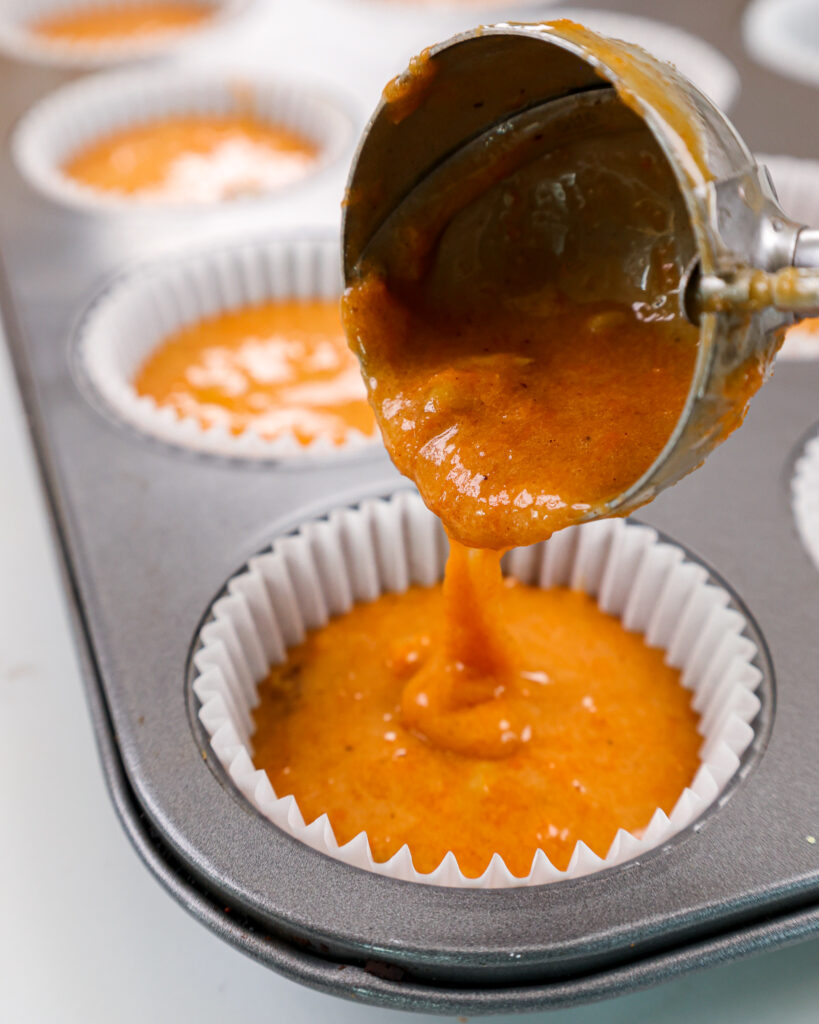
[(781, 34), (797, 186), (19, 41), (356, 554), (144, 308), (805, 498), (85, 111), (699, 61)]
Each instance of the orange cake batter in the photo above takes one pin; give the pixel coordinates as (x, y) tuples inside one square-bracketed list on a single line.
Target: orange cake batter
[(115, 22), (802, 340), (514, 426), (494, 717), (194, 157), (277, 368), (521, 336)]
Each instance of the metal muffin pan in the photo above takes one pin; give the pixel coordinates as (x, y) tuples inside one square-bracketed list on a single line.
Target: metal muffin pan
[(149, 535)]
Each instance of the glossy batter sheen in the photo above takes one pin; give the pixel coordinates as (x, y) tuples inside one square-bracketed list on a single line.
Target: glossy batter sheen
[(240, 152), (114, 22), (277, 368), (495, 718), (515, 425)]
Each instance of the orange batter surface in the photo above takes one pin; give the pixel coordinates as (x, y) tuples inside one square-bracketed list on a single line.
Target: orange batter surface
[(115, 22), (277, 368), (228, 154), (802, 340), (485, 717), (514, 425)]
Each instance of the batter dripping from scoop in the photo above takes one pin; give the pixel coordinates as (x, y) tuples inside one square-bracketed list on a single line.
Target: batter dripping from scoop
[(527, 361)]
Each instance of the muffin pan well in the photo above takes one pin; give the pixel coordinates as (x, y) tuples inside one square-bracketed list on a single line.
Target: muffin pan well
[(142, 308), (89, 110), (150, 535), (20, 42), (356, 554)]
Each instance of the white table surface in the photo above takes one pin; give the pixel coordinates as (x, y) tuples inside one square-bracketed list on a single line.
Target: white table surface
[(87, 935)]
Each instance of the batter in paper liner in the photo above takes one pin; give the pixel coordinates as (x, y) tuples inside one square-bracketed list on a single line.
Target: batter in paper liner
[(194, 158), (482, 717), (101, 23), (278, 369)]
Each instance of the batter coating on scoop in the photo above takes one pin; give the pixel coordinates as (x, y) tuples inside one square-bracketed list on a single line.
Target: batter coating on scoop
[(514, 426)]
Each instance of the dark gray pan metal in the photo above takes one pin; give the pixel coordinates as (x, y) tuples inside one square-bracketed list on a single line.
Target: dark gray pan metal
[(149, 536)]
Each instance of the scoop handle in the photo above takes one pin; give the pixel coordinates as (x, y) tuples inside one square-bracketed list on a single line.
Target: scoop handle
[(791, 290)]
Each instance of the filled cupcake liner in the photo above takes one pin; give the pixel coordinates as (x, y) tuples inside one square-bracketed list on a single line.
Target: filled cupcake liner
[(386, 545), (144, 308), (81, 113), (805, 497), (19, 41), (695, 58), (797, 187)]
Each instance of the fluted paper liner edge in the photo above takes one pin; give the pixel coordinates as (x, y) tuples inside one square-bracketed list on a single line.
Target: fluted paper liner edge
[(805, 498), (19, 41), (145, 307), (82, 112), (385, 545)]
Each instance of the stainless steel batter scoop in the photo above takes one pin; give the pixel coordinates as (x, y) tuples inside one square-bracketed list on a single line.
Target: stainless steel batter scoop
[(431, 183)]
